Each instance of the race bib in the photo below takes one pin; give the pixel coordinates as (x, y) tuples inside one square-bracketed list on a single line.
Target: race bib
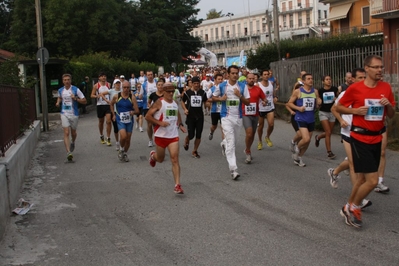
[(196, 101), (375, 111), (250, 109), (218, 107), (170, 113), (309, 104), (328, 97), (232, 103), (67, 106), (125, 117)]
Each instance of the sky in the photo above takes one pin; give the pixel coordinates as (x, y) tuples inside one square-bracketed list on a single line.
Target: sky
[(237, 7)]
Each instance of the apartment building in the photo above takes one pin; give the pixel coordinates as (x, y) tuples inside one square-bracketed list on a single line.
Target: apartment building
[(353, 16), (229, 35)]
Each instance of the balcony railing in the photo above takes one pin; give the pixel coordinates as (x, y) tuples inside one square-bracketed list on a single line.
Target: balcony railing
[(383, 6), (360, 29)]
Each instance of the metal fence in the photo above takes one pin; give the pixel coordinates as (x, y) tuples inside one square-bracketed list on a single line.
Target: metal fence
[(335, 64), (17, 113)]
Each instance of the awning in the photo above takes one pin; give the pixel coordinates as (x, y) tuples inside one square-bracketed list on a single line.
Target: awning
[(339, 12)]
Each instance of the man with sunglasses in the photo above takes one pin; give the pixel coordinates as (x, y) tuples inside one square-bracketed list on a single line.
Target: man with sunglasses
[(126, 107), (371, 100), (165, 116)]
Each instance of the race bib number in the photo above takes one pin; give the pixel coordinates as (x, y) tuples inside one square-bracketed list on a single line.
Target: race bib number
[(196, 101), (328, 97), (375, 111), (218, 107), (232, 103), (170, 113), (67, 106), (125, 117), (250, 109), (309, 104)]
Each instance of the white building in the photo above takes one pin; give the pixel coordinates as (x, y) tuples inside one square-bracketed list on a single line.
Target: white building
[(228, 35)]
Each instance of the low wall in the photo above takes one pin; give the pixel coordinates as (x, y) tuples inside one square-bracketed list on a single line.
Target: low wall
[(393, 123), (16, 163)]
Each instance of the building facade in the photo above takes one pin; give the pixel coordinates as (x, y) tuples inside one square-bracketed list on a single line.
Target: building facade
[(229, 35)]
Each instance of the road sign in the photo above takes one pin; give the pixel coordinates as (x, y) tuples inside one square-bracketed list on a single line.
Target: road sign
[(42, 56)]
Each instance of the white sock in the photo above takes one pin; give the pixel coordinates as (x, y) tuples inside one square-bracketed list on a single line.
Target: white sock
[(380, 180)]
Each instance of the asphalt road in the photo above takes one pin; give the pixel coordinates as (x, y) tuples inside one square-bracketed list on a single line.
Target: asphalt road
[(99, 211)]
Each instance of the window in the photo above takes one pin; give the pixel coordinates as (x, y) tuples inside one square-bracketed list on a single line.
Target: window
[(299, 19), (222, 31), (308, 17), (211, 34), (325, 13), (290, 5), (299, 3), (206, 37), (319, 14), (234, 30), (291, 21), (251, 28), (196, 33), (227, 34), (365, 15), (202, 34), (257, 26), (239, 29), (284, 7), (217, 33), (285, 21), (245, 31)]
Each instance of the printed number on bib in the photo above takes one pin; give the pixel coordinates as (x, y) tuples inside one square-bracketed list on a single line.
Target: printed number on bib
[(308, 103), (328, 97), (125, 117), (375, 111), (233, 103), (250, 109), (170, 114), (196, 101)]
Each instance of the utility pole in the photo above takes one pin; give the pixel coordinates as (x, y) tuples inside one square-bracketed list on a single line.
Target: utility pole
[(42, 62), (269, 29), (276, 27)]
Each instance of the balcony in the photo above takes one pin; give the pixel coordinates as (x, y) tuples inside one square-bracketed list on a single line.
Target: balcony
[(375, 28), (385, 9), (296, 9)]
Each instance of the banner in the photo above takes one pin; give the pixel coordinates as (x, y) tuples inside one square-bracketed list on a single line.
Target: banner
[(236, 61)]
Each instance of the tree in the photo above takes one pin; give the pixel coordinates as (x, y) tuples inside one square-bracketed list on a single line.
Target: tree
[(212, 14), (5, 19)]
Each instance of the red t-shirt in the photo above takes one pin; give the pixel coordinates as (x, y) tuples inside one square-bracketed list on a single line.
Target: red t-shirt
[(255, 94), (358, 95)]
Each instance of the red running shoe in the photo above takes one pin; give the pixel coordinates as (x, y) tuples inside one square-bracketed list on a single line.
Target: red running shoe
[(151, 160), (178, 189)]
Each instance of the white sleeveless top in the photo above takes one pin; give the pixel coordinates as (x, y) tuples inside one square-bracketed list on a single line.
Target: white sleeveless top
[(168, 113), (101, 89), (268, 90)]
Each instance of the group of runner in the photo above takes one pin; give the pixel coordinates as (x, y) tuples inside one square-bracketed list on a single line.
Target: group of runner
[(232, 104)]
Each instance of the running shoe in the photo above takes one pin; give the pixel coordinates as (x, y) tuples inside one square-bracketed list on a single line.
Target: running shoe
[(178, 189), (125, 157), (365, 203), (333, 178), (234, 174), (196, 155), (268, 142), (69, 156), (150, 144), (118, 146), (299, 162), (345, 213), (223, 148), (141, 129), (346, 172), (109, 142), (102, 140), (331, 155), (120, 155), (316, 141), (72, 147), (248, 157), (260, 145), (356, 217), (137, 125), (151, 160), (292, 147), (210, 136), (381, 188)]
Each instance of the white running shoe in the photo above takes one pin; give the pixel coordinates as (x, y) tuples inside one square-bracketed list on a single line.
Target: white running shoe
[(150, 144), (223, 148), (235, 174), (381, 188), (333, 178), (248, 157), (299, 162), (118, 146), (141, 129), (125, 157)]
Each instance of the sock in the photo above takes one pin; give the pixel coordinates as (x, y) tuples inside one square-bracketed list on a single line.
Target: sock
[(292, 142), (353, 206), (380, 180)]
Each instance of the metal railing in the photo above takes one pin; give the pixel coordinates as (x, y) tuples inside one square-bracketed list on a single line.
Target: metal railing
[(17, 113), (335, 64)]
